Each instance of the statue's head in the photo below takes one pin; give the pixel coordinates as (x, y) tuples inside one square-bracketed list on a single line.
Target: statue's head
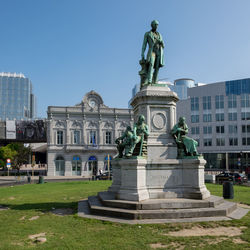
[(129, 128), (182, 120), (141, 119), (154, 25)]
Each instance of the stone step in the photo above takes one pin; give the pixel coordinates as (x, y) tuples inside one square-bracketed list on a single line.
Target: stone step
[(222, 209), (108, 200)]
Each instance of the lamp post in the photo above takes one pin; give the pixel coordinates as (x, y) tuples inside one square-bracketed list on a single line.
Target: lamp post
[(108, 167), (241, 154)]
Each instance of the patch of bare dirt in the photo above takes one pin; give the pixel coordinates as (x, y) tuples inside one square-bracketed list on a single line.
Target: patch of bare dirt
[(199, 231), (38, 238), (157, 245), (239, 241), (34, 217), (63, 211), (243, 205), (171, 245), (216, 241), (12, 198), (17, 244), (22, 218)]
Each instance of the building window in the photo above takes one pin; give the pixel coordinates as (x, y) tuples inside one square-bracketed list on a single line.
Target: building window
[(206, 102), (108, 137), (120, 133), (233, 141), (245, 128), (207, 130), (198, 140), (238, 86), (194, 118), (76, 165), (219, 117), (207, 118), (76, 137), (92, 138), (220, 129), (207, 142), (219, 102), (59, 137), (246, 141), (245, 115), (245, 100), (232, 129), (232, 116), (92, 162), (60, 166), (195, 130), (232, 101), (195, 103), (220, 142)]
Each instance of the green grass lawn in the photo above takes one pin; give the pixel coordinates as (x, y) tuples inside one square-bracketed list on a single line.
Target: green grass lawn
[(72, 232)]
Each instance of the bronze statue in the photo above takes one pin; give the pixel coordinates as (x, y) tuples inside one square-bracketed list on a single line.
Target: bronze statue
[(134, 142), (126, 142), (186, 145), (154, 59)]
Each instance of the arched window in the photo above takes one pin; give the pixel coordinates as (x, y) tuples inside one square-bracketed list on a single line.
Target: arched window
[(76, 165), (60, 166), (92, 162)]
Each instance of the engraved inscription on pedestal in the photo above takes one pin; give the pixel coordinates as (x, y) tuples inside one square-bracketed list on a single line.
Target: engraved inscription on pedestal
[(163, 178)]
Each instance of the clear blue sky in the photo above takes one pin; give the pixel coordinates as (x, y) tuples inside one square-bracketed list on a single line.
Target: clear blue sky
[(69, 47)]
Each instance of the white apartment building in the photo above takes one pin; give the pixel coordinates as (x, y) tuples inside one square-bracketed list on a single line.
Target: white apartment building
[(81, 138)]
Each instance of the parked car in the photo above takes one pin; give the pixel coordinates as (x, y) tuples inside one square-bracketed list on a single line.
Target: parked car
[(104, 176), (224, 176), (239, 178)]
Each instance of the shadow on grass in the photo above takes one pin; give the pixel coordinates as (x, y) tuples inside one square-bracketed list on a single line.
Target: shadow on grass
[(43, 207)]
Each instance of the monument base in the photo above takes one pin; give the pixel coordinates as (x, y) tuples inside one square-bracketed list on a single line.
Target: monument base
[(137, 180), (130, 183)]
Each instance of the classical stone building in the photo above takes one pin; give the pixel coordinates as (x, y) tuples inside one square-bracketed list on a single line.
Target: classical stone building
[(81, 138)]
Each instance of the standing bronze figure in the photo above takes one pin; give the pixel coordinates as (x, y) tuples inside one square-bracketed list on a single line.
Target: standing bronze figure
[(154, 60)]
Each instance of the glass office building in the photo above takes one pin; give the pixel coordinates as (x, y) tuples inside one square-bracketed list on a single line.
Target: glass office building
[(16, 98), (181, 85), (218, 116)]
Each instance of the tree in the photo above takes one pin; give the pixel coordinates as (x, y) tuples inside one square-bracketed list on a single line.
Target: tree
[(7, 152), (22, 156)]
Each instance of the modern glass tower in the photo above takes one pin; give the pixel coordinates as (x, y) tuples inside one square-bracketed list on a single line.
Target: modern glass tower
[(16, 98), (181, 85), (218, 117)]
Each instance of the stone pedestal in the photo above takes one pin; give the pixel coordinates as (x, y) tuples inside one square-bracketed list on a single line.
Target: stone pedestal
[(177, 179), (137, 180), (131, 182), (158, 105)]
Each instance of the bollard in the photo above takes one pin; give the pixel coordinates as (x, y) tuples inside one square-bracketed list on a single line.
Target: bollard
[(29, 179), (228, 190), (41, 179)]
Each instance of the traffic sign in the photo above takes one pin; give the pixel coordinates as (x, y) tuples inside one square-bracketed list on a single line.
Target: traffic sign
[(8, 164), (8, 160), (239, 162)]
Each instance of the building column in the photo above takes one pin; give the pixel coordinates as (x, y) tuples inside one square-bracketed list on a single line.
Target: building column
[(68, 142)]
